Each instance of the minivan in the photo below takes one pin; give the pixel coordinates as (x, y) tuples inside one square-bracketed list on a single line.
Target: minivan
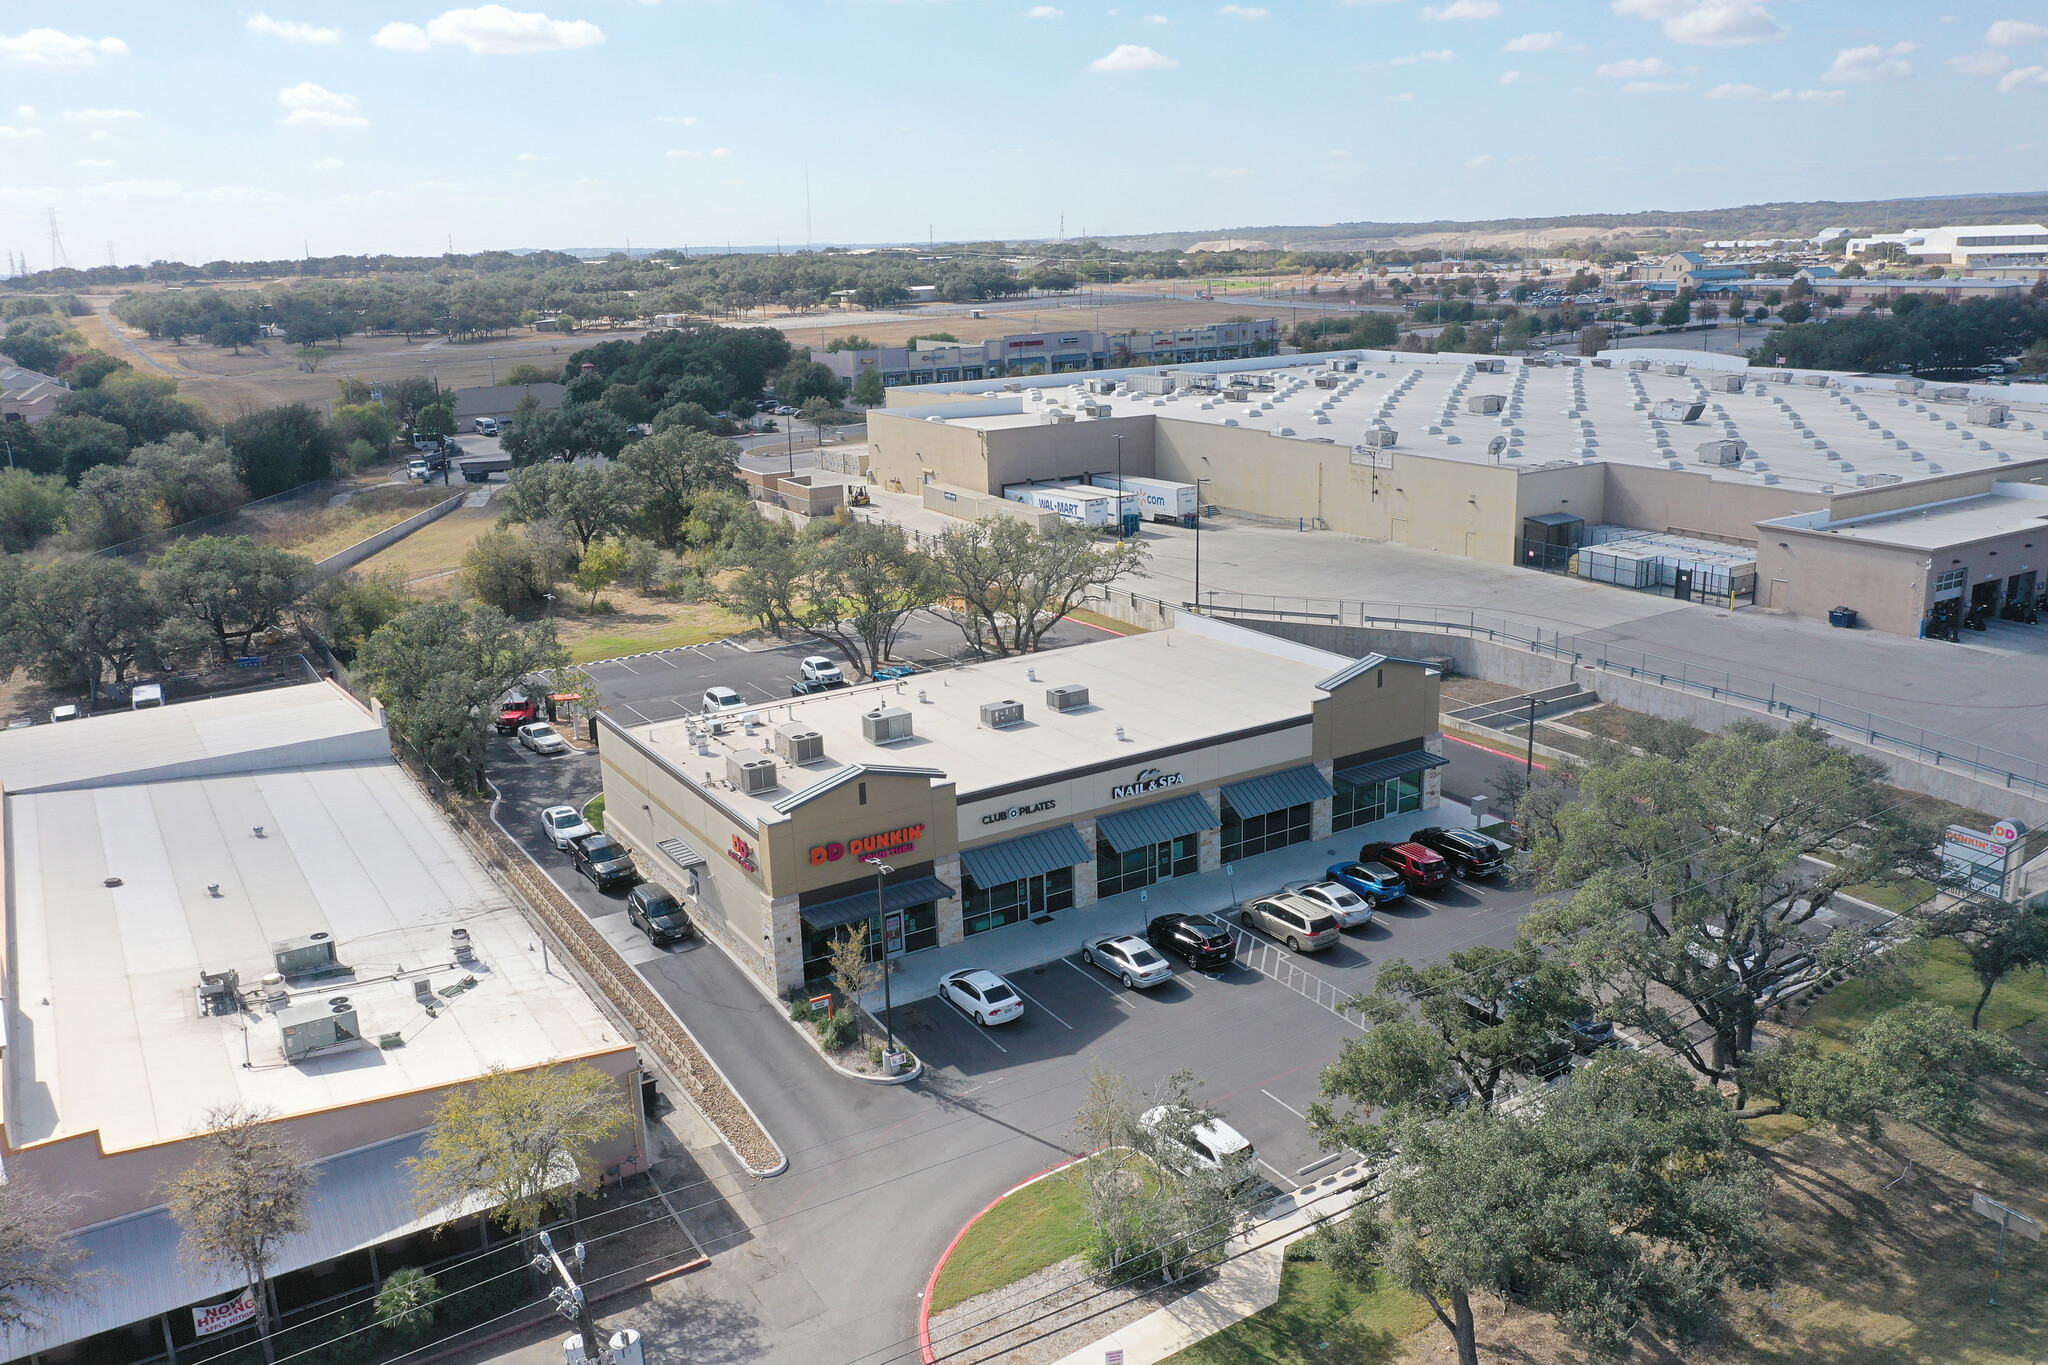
[(146, 695), (1302, 926)]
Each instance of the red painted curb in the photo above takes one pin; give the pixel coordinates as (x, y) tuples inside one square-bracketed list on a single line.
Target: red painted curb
[(924, 1308), (1489, 749)]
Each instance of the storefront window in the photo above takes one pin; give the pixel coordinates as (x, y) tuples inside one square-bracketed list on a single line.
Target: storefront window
[(913, 930), (1013, 901), (1361, 805), (1116, 873), (1244, 838)]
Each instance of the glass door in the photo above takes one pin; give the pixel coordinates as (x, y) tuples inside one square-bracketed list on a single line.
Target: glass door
[(1162, 861), (1037, 896), (893, 932)]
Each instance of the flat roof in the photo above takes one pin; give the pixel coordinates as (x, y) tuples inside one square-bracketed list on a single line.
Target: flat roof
[(1800, 437), (120, 894), (1160, 689), (1942, 525)]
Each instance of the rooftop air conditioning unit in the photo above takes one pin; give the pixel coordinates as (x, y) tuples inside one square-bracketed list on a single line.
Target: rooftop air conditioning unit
[(306, 956), (1909, 385), (1639, 364), (1494, 366), (1726, 383), (1814, 381), (1876, 480), (799, 744), (1326, 381), (1071, 697), (306, 1029), (1603, 363), (886, 725), (1236, 395), (750, 773), (1378, 436), (1485, 404), (1672, 369), (1724, 453), (1987, 414), (997, 714), (1677, 410)]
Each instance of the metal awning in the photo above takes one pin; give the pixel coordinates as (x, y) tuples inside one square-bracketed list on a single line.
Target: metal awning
[(1156, 823), (1380, 769), (1027, 856), (895, 896), (681, 854), (1277, 791)]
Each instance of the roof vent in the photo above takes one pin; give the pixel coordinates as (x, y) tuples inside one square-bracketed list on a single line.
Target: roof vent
[(886, 725), (750, 773), (1071, 697), (998, 714), (799, 744), (306, 956)]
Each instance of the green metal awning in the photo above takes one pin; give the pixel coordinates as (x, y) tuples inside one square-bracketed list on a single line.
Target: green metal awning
[(1380, 769), (1156, 823), (1277, 791), (1027, 856), (895, 896)]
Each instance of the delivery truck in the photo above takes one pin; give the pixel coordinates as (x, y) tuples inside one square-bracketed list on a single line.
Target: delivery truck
[(1158, 499), (479, 468), (1078, 503)]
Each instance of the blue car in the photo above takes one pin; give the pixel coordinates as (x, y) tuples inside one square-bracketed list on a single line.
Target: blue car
[(890, 672), (1377, 884)]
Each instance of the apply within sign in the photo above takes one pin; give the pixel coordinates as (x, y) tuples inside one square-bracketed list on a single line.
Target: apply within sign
[(218, 1317)]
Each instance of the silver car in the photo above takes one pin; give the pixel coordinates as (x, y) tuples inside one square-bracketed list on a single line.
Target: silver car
[(1302, 924), (1351, 909), (1129, 959)]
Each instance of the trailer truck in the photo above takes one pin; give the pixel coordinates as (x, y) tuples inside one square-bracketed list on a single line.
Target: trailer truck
[(1158, 499)]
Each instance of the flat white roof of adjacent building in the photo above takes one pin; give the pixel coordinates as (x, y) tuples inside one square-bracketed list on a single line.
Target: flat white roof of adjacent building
[(1813, 438), (1145, 692), (2007, 509), (121, 892)]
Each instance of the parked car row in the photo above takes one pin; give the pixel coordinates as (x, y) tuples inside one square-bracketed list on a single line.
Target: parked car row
[(650, 907)]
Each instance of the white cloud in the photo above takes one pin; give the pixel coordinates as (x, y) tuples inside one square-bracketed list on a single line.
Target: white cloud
[(291, 30), (1244, 11), (1872, 63), (721, 151), (7, 133), (1399, 99), (1749, 94), (100, 115), (1155, 18), (24, 111), (1707, 23), (1634, 69), (2014, 33), (1982, 65), (1463, 9), (1510, 77), (48, 47), (1229, 172), (491, 31), (1440, 55), (1043, 12), (1821, 96), (2026, 78), (1133, 57), (326, 163), (92, 164), (1654, 87), (527, 156), (128, 191), (683, 120), (317, 107), (1477, 162), (236, 194), (1535, 42)]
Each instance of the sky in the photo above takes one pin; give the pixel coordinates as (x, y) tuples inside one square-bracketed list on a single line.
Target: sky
[(198, 131)]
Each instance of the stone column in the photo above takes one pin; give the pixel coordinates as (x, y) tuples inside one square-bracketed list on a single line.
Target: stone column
[(1209, 843), (1432, 779), (947, 870), (784, 964), (1321, 812), (1084, 874)]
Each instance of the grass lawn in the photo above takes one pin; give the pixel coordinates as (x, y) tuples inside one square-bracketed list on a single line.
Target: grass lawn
[(593, 811), (1318, 1318), (1942, 974), (429, 556), (1108, 623), (638, 625), (1898, 898), (1038, 1226)]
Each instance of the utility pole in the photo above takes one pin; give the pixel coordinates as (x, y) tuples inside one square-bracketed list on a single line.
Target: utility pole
[(1531, 767), (569, 1298)]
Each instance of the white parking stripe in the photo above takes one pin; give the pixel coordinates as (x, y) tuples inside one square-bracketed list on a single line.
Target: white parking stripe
[(670, 662), (636, 711), (1020, 990), (1285, 1105), (1292, 1183), (1089, 976), (975, 1026), (628, 667)]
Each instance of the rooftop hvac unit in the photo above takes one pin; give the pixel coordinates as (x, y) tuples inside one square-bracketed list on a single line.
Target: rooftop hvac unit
[(1485, 404), (1672, 369), (1639, 364), (1987, 414), (1603, 363), (1071, 697), (1877, 480), (306, 956), (306, 1029), (1490, 366), (1814, 381), (1723, 453), (750, 773), (799, 744), (1326, 381), (1909, 385), (1378, 436), (1726, 383), (1677, 410), (1237, 395), (997, 714), (886, 725), (1150, 383), (1952, 391)]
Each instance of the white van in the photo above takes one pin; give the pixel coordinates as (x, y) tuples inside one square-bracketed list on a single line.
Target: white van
[(487, 426), (145, 696)]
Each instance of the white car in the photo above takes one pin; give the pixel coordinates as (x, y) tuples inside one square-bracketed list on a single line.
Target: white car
[(986, 996), (785, 411), (818, 668), (1191, 1139), (1130, 960), (564, 825), (542, 739), (719, 700), (1350, 908)]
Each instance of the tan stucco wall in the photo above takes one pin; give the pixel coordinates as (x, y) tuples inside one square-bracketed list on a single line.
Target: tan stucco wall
[(1685, 501), (1890, 586), (904, 450), (1393, 703)]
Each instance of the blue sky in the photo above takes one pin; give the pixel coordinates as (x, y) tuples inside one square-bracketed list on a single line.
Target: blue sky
[(199, 131)]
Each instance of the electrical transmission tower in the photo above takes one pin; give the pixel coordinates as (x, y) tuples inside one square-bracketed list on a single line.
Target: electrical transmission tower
[(57, 253)]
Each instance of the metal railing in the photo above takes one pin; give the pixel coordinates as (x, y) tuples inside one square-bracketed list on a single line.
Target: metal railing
[(1917, 742)]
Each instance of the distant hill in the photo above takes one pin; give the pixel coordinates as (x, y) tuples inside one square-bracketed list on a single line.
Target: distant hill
[(1749, 220)]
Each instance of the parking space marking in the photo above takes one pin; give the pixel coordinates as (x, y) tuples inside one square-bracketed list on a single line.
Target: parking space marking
[(1020, 990), (663, 656), (1285, 1105), (1088, 975), (636, 711), (977, 1030), (1292, 1183), (1271, 961), (628, 667)]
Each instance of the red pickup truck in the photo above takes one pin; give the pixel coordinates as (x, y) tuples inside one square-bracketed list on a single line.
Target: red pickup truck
[(1422, 868), (517, 711)]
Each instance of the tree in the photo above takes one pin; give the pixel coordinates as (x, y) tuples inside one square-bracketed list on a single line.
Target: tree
[(364, 422), (1625, 1200), (441, 669), (74, 623), (281, 448), (405, 1303), (508, 571), (672, 470), (243, 1197), (1676, 313), (1917, 1061), (32, 352), (1691, 909), (806, 378), (114, 504), (232, 586), (145, 406), (818, 412), (69, 445), (348, 608), (628, 404), (867, 389), (2000, 937), (600, 567), (855, 971), (590, 501), (1014, 583), (435, 422), (232, 332), (530, 374), (523, 1142), (1709, 310), (38, 1259), (189, 476), (31, 507), (1640, 315), (1593, 341)]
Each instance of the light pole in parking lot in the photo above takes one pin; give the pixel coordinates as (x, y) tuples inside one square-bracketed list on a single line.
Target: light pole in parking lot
[(882, 870)]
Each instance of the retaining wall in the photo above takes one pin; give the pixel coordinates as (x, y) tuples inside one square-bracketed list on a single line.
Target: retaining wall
[(384, 539)]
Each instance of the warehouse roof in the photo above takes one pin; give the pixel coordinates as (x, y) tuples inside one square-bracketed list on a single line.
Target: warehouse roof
[(2007, 509)]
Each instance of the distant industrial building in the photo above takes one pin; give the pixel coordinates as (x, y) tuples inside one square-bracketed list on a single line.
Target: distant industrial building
[(2004, 248), (1527, 462), (1031, 353), (500, 401)]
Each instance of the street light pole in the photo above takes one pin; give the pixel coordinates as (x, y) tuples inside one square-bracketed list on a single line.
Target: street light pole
[(1119, 485), (1531, 768), (1198, 542), (882, 870)]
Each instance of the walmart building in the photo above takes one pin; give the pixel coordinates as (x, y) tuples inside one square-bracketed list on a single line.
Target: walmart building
[(1015, 789)]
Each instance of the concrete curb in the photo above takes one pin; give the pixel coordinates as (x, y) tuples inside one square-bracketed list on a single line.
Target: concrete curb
[(924, 1308)]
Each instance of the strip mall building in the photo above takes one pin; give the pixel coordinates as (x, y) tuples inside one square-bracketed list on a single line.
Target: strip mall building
[(1013, 789)]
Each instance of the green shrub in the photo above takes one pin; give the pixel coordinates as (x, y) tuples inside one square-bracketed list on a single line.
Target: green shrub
[(405, 1305), (837, 1032)]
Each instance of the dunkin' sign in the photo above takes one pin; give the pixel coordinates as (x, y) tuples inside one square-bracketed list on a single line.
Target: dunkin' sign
[(887, 844)]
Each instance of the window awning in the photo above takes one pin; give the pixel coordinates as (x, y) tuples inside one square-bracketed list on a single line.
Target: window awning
[(681, 854), (895, 896), (1380, 769), (1278, 791), (1026, 856), (1155, 824)]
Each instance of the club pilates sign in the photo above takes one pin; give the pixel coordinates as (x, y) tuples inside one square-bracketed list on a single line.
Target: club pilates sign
[(1147, 781)]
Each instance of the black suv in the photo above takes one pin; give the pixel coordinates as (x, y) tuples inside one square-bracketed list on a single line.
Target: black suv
[(1204, 942), (601, 860), (1470, 853), (655, 912)]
